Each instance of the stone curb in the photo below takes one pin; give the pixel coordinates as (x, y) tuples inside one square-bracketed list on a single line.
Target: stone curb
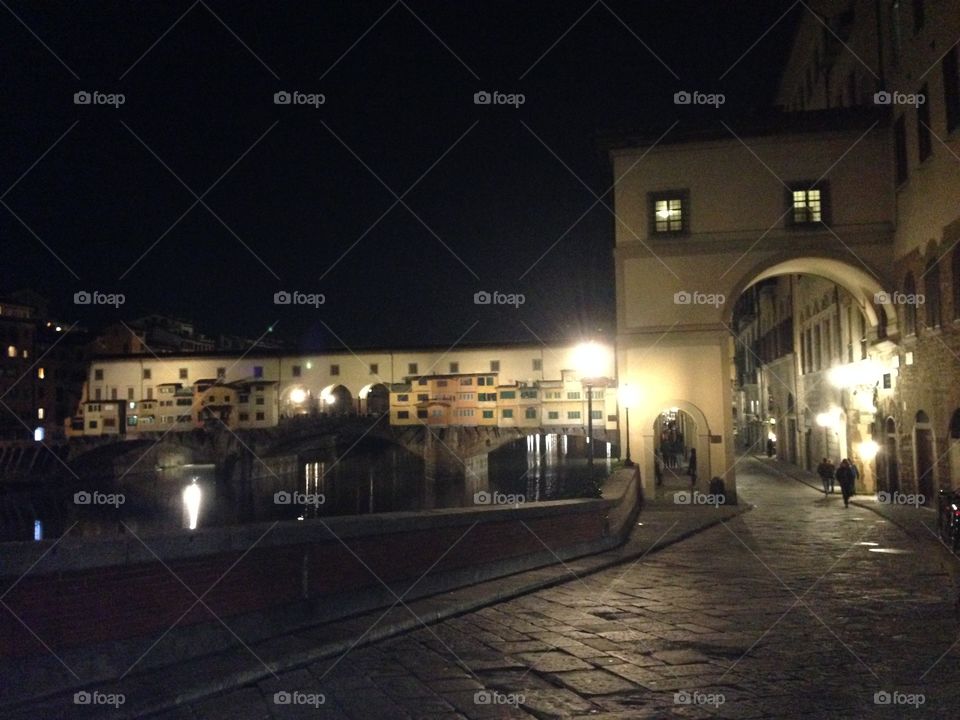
[(290, 652)]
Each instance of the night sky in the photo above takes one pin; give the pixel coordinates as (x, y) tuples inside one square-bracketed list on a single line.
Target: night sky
[(291, 190)]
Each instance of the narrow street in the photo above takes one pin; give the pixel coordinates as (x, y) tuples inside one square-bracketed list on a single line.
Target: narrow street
[(799, 608)]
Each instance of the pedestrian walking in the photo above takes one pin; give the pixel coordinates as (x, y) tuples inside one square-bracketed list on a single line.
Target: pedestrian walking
[(827, 472), (846, 477), (692, 467)]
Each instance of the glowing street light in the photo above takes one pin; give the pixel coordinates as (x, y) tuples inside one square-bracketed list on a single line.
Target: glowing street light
[(297, 396), (868, 450), (829, 419)]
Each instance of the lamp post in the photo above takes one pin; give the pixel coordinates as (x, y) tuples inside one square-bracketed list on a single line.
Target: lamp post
[(589, 424), (589, 361), (628, 398)]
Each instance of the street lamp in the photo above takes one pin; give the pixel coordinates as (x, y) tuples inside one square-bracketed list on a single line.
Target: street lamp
[(589, 359), (628, 398)]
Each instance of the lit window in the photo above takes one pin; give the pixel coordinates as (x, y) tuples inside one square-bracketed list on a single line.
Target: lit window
[(39, 413), (669, 212), (40, 373), (11, 351), (807, 206)]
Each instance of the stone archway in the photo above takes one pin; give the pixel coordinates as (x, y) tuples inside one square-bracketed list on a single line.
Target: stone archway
[(669, 346), (697, 436), (374, 399), (336, 400)]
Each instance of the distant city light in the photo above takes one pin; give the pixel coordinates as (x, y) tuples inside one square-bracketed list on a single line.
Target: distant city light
[(38, 434), (38, 530)]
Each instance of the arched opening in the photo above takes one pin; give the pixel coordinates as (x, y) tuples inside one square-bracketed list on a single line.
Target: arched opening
[(374, 399), (295, 401), (889, 464), (924, 456), (954, 451), (336, 400), (681, 454)]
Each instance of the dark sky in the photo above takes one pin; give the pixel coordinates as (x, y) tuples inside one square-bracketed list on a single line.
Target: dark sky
[(202, 97)]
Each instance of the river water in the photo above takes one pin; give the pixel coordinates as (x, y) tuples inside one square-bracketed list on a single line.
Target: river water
[(368, 478)]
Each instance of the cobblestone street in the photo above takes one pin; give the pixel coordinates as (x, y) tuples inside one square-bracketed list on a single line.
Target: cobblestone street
[(799, 608)]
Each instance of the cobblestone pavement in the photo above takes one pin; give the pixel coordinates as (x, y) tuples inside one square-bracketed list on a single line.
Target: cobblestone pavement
[(800, 608)]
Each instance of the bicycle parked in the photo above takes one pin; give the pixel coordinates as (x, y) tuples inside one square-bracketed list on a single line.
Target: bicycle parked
[(948, 518)]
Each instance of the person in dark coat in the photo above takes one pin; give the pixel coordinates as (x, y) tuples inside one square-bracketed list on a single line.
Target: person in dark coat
[(692, 466), (826, 472), (846, 477)]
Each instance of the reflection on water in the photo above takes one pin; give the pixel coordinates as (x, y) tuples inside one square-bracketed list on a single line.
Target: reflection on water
[(368, 477), (535, 468)]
